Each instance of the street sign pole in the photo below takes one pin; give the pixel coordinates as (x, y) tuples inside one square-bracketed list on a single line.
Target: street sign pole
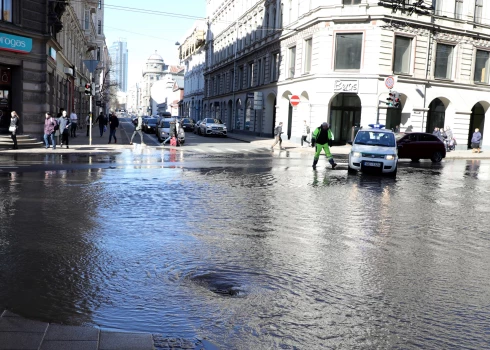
[(91, 67)]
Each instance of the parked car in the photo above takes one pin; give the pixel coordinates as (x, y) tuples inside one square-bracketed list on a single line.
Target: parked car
[(187, 124), (196, 127), (149, 125), (374, 149), (421, 145), (164, 127), (211, 126)]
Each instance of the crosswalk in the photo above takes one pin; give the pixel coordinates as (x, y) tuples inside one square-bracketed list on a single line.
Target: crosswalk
[(215, 150)]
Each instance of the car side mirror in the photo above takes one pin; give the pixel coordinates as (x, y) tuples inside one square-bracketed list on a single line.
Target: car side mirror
[(349, 142)]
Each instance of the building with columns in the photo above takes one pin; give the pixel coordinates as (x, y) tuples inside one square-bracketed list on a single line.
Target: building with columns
[(336, 55)]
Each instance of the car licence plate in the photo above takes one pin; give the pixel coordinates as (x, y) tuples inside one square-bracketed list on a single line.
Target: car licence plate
[(372, 164)]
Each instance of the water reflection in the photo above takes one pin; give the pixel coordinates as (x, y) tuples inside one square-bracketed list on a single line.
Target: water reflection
[(251, 252)]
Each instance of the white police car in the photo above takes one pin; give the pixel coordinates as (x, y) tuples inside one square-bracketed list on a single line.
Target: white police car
[(374, 149)]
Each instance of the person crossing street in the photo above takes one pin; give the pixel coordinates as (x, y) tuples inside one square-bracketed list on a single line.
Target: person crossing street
[(322, 138)]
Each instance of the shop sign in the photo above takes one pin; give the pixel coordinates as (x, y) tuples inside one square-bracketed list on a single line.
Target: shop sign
[(346, 86), (15, 43)]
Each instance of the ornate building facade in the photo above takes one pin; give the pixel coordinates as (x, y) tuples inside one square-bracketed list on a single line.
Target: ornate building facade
[(336, 55), (42, 48)]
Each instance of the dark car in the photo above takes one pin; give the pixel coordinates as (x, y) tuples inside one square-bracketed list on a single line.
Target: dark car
[(187, 124), (421, 145), (149, 125)]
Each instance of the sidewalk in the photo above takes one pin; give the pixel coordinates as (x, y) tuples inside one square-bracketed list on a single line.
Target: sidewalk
[(342, 150)]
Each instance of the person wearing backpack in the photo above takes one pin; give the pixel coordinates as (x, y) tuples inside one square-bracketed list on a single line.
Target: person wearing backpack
[(277, 135), (304, 135), (113, 125)]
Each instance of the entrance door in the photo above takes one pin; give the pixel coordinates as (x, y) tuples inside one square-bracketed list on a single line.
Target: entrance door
[(477, 120), (5, 99), (345, 113), (437, 115)]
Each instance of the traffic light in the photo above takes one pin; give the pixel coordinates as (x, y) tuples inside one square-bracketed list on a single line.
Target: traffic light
[(92, 89), (396, 99), (88, 89), (389, 99)]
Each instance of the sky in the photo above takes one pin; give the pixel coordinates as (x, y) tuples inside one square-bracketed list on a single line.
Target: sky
[(157, 29)]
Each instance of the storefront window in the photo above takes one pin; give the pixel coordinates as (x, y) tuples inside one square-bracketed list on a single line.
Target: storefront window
[(6, 10)]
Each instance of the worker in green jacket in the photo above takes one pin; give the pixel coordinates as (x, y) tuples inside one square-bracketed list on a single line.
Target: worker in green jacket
[(322, 139)]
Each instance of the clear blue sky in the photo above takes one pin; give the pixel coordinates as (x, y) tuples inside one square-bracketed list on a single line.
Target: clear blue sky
[(147, 32)]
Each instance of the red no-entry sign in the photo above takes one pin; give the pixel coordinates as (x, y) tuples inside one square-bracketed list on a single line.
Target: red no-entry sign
[(294, 100)]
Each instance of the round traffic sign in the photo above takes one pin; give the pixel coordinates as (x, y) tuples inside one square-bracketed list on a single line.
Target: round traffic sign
[(390, 82), (294, 100)]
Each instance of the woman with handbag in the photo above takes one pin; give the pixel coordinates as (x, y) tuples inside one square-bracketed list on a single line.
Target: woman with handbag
[(14, 124)]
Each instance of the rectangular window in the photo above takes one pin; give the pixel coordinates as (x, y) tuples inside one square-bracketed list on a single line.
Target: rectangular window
[(100, 4), (444, 61), (348, 51), (250, 75), (458, 9), (308, 46), (6, 10), (240, 78), (403, 50), (260, 74), (482, 66), (351, 2), (292, 61), (99, 27), (98, 53), (86, 20), (478, 11), (437, 4), (274, 67)]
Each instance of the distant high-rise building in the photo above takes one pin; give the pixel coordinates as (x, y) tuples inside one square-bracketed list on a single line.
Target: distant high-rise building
[(119, 57)]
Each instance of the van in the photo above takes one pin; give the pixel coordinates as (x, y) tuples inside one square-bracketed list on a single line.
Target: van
[(166, 126)]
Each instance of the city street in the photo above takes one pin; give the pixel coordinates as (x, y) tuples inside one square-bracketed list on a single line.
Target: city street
[(247, 248)]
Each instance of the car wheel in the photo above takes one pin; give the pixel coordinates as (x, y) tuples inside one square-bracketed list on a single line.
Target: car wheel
[(436, 157), (351, 170), (415, 159)]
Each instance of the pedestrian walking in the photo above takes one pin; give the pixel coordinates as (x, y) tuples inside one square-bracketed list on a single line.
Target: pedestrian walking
[(306, 132), (137, 130), (14, 126), (74, 124), (475, 141), (113, 125), (101, 119), (50, 127), (322, 139), (64, 123), (277, 134)]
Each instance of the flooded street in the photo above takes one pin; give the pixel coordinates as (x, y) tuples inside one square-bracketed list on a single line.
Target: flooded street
[(255, 251)]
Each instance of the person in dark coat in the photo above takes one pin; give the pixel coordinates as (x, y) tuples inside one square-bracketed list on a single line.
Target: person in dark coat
[(475, 141), (102, 123), (113, 125)]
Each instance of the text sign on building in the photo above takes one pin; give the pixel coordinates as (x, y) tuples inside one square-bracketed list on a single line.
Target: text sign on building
[(258, 100), (15, 43), (346, 86)]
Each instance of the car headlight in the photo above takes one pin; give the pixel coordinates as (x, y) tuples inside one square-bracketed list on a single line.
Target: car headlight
[(356, 154), (389, 157)]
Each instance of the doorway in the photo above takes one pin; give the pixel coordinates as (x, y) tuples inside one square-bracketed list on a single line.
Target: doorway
[(436, 116), (477, 120), (5, 98), (345, 113)]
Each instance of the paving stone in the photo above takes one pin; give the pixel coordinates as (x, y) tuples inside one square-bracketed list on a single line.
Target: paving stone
[(8, 313), (20, 340), (58, 332), (68, 345), (18, 324), (125, 341)]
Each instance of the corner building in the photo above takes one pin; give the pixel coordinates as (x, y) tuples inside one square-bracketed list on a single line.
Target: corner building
[(336, 55)]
